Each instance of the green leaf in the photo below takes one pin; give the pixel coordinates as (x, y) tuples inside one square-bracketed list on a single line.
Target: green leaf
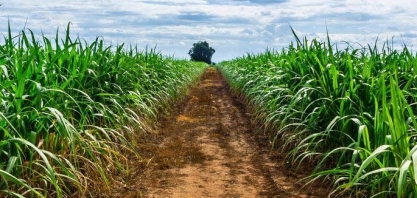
[(402, 178)]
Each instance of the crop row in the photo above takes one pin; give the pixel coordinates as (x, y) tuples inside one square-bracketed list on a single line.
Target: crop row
[(351, 112), (70, 109)]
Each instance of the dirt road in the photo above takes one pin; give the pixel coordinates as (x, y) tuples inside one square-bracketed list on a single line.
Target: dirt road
[(207, 149)]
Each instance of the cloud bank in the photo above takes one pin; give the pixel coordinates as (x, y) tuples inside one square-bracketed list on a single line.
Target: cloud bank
[(232, 27)]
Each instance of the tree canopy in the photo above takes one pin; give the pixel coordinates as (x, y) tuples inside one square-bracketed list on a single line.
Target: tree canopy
[(201, 51)]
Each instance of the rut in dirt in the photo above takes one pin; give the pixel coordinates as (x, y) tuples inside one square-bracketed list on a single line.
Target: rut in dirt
[(207, 149)]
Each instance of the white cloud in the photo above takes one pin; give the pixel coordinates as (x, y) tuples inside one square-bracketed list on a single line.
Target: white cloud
[(231, 27)]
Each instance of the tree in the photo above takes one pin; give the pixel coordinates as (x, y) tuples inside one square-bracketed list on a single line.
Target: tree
[(201, 51)]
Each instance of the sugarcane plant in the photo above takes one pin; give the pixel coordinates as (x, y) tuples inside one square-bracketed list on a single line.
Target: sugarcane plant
[(351, 112), (70, 110)]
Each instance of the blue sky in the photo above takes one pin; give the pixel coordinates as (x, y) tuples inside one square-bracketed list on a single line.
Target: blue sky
[(232, 27)]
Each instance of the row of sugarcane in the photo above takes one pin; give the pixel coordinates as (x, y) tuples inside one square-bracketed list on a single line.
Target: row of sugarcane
[(70, 110), (351, 112)]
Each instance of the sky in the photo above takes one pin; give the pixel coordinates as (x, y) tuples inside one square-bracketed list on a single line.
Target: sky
[(232, 27)]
